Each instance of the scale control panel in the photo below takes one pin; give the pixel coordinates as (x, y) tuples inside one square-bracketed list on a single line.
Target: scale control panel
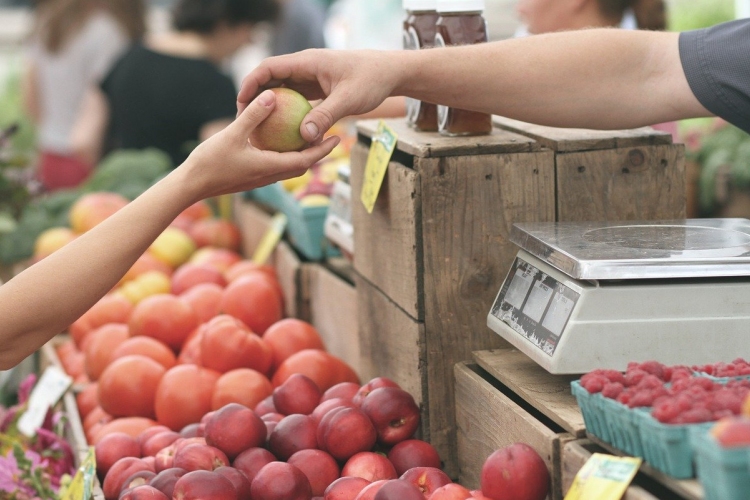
[(535, 305)]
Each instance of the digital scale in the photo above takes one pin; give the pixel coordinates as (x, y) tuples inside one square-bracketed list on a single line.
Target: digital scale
[(587, 295)]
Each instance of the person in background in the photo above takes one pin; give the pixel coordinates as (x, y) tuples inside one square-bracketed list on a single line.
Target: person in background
[(46, 298), (169, 92), (73, 45), (299, 27)]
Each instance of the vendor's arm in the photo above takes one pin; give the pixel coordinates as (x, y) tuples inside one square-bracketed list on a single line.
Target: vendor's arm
[(599, 78), (48, 296)]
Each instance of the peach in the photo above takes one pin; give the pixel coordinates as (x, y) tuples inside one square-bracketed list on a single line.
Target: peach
[(193, 430), (298, 394), (218, 233), (199, 457), (112, 448), (329, 404), (235, 428), (344, 432), (280, 130), (394, 413), (201, 485), (345, 488), (515, 472), (249, 462), (293, 433), (370, 466), (165, 480), (399, 490), (164, 458), (265, 406), (119, 473), (158, 442), (369, 492), (370, 386), (143, 492), (732, 431), (92, 208), (344, 390), (451, 491), (238, 480), (320, 468), (413, 453), (280, 481), (140, 478), (426, 479)]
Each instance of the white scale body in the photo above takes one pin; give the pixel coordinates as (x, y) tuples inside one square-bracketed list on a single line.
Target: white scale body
[(338, 226), (581, 296)]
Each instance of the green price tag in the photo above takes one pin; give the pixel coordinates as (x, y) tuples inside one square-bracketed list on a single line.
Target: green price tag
[(381, 151)]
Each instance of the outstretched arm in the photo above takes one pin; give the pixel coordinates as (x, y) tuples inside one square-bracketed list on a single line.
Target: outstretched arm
[(47, 297), (598, 78)]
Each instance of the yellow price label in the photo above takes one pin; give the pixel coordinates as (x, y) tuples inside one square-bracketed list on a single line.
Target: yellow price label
[(381, 150), (270, 239), (603, 477), (81, 487)]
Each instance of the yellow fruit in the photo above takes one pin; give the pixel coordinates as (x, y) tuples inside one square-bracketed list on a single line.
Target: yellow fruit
[(315, 200), (280, 130), (51, 240), (146, 285), (173, 247), (297, 182)]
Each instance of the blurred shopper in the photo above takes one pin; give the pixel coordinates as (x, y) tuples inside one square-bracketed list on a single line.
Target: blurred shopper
[(299, 27), (170, 92), (73, 45)]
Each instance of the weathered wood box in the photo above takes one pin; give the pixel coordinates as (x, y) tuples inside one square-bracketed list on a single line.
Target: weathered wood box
[(434, 252)]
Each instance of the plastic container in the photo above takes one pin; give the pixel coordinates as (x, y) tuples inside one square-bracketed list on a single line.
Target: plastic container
[(461, 23), (419, 33), (723, 472)]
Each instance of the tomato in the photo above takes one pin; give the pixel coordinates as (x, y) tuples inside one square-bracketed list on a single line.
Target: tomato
[(164, 317), (191, 351), (145, 263), (149, 347), (100, 345), (127, 388), (184, 395), (289, 336), (110, 309), (87, 399), (204, 299), (323, 368), (227, 344), (254, 300), (247, 266), (189, 275), (218, 233), (244, 386), (132, 426), (96, 416), (197, 211)]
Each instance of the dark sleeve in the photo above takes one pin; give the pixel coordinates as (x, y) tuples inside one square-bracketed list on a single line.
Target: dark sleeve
[(218, 99), (716, 62)]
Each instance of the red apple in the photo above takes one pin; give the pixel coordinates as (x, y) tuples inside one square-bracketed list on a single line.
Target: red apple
[(202, 485), (370, 466), (294, 433), (298, 394), (344, 390), (235, 428), (139, 478), (200, 457), (239, 481), (369, 492), (328, 405), (280, 481), (119, 473), (398, 490), (426, 479), (413, 453), (164, 458), (143, 492), (320, 468), (265, 406), (184, 442), (344, 432), (249, 462), (394, 413), (451, 491), (192, 430), (158, 442), (345, 488), (165, 480), (370, 386), (515, 472), (112, 448)]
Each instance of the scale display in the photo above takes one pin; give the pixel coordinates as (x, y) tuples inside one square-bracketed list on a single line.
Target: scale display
[(535, 305)]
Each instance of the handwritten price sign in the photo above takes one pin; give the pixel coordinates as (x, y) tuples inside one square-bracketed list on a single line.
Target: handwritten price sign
[(380, 154)]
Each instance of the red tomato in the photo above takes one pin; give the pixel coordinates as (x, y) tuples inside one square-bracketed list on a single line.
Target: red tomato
[(323, 368), (254, 300), (184, 395), (127, 387), (228, 344)]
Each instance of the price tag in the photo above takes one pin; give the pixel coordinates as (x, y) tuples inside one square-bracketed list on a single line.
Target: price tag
[(603, 477), (46, 393), (82, 485), (270, 239), (381, 151)]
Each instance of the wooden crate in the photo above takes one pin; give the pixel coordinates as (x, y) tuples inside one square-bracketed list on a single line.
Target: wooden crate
[(436, 246), (333, 312), (253, 222)]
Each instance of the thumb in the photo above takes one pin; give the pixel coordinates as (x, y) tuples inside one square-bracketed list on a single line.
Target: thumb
[(255, 112), (321, 118)]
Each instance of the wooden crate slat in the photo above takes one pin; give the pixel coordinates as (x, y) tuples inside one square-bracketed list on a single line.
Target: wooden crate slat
[(468, 206), (576, 139), (388, 241), (489, 420), (550, 394), (432, 144), (621, 184)]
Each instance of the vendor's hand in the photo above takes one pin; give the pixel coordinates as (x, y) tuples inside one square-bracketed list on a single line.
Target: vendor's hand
[(348, 82), (227, 162)]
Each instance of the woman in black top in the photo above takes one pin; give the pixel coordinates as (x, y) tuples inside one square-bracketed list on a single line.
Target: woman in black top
[(169, 92)]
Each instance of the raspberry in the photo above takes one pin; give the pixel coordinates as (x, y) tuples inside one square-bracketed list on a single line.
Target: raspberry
[(679, 373), (624, 397), (725, 399), (633, 377), (641, 399), (654, 368), (666, 410), (703, 382), (718, 415), (650, 382), (612, 390), (696, 416), (593, 383)]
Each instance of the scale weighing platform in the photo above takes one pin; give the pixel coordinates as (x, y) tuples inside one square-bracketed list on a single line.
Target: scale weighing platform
[(587, 295)]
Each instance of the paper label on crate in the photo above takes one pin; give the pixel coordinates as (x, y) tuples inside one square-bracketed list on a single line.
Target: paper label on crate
[(603, 477), (270, 239), (82, 484), (381, 150), (47, 392)]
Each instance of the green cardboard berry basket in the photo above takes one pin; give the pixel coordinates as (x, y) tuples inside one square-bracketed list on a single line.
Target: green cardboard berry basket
[(723, 472), (668, 447), (624, 426), (594, 416)]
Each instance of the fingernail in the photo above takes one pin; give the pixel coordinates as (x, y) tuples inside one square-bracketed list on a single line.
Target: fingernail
[(266, 98), (312, 129)]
